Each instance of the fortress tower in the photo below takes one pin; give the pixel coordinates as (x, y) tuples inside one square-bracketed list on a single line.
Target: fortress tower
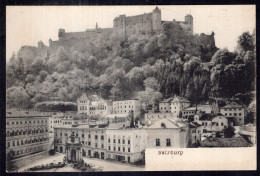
[(157, 20), (189, 21)]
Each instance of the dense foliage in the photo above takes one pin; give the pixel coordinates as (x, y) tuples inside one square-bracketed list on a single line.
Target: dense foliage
[(146, 68)]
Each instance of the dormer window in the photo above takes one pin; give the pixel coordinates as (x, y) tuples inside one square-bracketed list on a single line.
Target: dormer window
[(163, 125)]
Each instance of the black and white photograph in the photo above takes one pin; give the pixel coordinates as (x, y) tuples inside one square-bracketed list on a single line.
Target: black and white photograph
[(130, 88)]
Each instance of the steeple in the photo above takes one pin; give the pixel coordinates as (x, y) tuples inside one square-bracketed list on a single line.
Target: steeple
[(96, 26)]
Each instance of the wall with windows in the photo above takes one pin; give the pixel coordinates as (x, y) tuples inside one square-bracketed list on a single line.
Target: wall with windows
[(26, 135), (156, 138), (125, 145), (125, 106), (235, 115), (93, 140)]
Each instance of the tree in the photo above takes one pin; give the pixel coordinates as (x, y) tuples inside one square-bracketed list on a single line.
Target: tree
[(151, 82), (149, 97), (246, 42), (250, 117), (223, 56), (17, 97)]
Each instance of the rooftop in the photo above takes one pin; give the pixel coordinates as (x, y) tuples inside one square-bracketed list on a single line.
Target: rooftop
[(24, 114), (232, 105), (225, 142)]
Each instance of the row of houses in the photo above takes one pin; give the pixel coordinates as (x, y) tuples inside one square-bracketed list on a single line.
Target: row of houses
[(179, 107), (121, 142), (95, 105)]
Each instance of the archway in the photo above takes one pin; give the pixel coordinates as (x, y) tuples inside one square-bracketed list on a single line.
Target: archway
[(61, 149), (73, 155)]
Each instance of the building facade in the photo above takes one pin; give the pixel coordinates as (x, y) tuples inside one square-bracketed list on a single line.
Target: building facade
[(93, 139), (125, 145), (94, 105), (177, 105), (26, 133), (125, 106), (235, 113)]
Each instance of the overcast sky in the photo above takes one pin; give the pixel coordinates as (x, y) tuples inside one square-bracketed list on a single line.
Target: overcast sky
[(26, 25)]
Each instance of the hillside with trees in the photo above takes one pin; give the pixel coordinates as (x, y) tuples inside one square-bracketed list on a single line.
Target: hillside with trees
[(167, 64)]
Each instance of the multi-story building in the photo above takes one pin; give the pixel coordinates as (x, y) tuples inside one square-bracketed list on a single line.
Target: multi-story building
[(167, 133), (26, 133), (210, 123), (189, 112), (165, 105), (178, 104), (117, 141), (94, 105), (125, 144), (234, 112), (93, 139), (125, 106)]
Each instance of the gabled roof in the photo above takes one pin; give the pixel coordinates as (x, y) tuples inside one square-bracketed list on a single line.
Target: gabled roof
[(83, 96), (167, 123), (232, 105), (179, 99), (168, 100), (118, 125)]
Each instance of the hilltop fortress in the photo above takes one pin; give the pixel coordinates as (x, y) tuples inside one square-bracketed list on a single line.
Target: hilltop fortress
[(147, 24), (125, 26)]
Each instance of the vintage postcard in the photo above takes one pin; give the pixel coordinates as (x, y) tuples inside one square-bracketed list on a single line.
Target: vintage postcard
[(130, 88)]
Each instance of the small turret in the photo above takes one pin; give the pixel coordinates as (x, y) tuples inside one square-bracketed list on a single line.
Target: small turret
[(61, 33), (96, 26)]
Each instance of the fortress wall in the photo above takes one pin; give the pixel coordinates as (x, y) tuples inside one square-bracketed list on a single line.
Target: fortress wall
[(206, 40)]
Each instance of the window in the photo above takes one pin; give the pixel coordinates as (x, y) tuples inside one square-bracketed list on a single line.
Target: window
[(89, 143), (89, 136), (216, 124), (123, 141), (102, 137), (60, 134), (109, 148), (119, 149), (157, 142), (114, 148), (239, 114), (13, 143), (118, 141), (108, 140), (114, 140), (128, 141), (8, 144), (235, 114), (168, 142), (123, 149), (225, 114), (102, 145), (82, 135), (128, 149), (96, 136), (96, 145)]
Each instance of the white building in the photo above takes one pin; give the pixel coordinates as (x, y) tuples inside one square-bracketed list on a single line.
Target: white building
[(125, 106), (26, 133), (94, 105), (210, 123), (177, 105), (165, 105), (235, 113)]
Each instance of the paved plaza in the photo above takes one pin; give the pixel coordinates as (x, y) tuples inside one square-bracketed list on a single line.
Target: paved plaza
[(105, 165)]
